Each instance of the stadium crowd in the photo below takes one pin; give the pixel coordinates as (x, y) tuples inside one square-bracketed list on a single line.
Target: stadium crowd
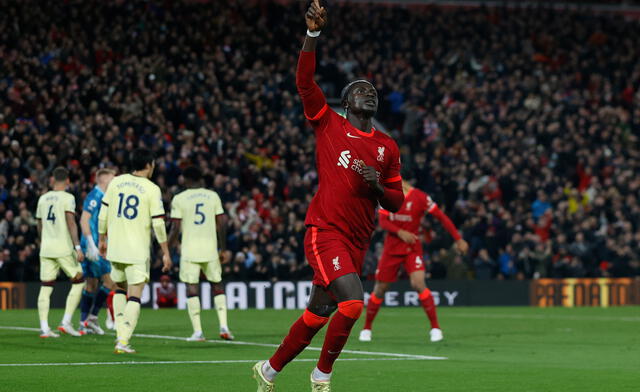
[(522, 124)]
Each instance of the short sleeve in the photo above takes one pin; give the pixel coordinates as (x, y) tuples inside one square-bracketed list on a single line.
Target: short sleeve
[(176, 212), (106, 199), (392, 172), (39, 209), (218, 210), (70, 204), (90, 205), (156, 206)]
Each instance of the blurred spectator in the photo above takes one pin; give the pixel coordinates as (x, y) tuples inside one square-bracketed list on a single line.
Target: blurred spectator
[(166, 296), (524, 139), (457, 269), (484, 266), (507, 264)]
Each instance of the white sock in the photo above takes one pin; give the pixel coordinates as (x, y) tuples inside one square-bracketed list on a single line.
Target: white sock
[(269, 372), (67, 318), (44, 325), (220, 302), (319, 375)]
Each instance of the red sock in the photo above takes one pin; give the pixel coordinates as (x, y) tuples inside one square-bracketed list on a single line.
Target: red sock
[(299, 337), (338, 333), (429, 306), (372, 310), (110, 303)]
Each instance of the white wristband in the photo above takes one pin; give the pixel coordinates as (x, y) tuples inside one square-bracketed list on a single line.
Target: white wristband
[(77, 247), (313, 34)]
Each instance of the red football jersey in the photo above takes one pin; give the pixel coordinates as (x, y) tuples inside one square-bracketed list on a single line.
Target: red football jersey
[(409, 218), (344, 202)]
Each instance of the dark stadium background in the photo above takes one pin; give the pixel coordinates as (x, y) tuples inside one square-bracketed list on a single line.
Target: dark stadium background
[(522, 122)]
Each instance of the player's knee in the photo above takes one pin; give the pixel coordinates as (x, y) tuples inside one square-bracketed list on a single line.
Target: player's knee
[(380, 289), (424, 294), (218, 289), (78, 278), (418, 285), (192, 290), (352, 309), (92, 285), (313, 320)]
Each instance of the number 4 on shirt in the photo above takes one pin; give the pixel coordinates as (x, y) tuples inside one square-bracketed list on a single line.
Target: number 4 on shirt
[(50, 215)]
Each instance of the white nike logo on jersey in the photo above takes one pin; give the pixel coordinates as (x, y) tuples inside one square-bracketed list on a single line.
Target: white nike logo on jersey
[(350, 135)]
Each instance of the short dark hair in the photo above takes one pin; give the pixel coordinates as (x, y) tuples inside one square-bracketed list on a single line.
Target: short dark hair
[(141, 157), (60, 174), (345, 91), (192, 173)]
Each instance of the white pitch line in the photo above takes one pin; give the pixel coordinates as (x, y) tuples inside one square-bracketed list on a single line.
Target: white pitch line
[(189, 362), (21, 328), (270, 345)]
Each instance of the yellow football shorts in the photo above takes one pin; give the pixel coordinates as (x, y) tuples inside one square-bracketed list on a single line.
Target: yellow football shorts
[(49, 267), (190, 271), (130, 273)]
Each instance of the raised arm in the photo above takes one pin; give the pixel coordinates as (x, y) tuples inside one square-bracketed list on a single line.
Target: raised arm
[(313, 99)]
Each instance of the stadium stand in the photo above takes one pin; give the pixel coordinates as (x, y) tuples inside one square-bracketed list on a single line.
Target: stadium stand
[(522, 124)]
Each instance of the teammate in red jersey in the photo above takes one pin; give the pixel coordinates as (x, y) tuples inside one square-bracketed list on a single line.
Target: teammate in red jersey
[(403, 248), (359, 169)]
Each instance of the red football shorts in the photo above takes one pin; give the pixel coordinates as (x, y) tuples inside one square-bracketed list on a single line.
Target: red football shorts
[(389, 265), (331, 255)]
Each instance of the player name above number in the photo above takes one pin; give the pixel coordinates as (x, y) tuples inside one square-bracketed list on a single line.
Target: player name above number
[(131, 184)]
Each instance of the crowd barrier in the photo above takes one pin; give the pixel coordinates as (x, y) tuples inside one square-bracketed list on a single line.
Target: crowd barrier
[(602, 292)]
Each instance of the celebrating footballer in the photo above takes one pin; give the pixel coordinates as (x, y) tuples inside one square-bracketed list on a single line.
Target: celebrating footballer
[(359, 170)]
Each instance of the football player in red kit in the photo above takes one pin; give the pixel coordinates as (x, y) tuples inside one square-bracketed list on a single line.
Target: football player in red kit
[(358, 169), (402, 247)]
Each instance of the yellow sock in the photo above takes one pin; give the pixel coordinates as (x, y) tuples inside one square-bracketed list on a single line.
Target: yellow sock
[(43, 306), (193, 305), (119, 303), (73, 299), (221, 308), (130, 320)]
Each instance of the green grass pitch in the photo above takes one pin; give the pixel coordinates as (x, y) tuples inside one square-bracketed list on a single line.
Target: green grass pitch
[(487, 349)]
